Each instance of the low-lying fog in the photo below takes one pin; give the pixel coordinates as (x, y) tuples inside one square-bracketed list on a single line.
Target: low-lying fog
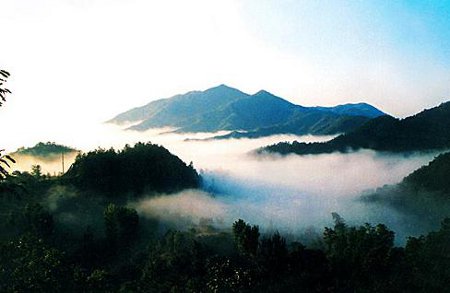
[(290, 193)]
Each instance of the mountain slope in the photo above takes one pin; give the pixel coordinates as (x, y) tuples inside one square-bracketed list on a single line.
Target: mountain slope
[(144, 168), (179, 110), (428, 130), (225, 108), (433, 177), (425, 193), (310, 122)]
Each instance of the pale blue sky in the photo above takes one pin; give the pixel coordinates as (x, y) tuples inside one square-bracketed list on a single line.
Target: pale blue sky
[(95, 58)]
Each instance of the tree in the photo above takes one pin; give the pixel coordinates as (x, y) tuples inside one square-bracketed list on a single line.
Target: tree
[(4, 159), (274, 252), (429, 257), (3, 91), (28, 264), (36, 171), (143, 168), (176, 261), (246, 237), (360, 256), (38, 221), (121, 225)]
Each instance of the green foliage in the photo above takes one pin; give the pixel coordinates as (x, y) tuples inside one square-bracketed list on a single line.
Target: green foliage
[(175, 263), (30, 265), (359, 254), (36, 171), (429, 257), (51, 242), (134, 170), (99, 281), (424, 193), (355, 259), (121, 225)]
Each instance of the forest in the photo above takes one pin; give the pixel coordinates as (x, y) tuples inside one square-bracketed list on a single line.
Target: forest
[(76, 233), (425, 131), (79, 231)]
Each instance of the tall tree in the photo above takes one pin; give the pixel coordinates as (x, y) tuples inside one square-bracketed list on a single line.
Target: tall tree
[(246, 237)]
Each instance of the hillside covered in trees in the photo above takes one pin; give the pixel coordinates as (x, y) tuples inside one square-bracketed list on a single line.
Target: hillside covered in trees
[(433, 177), (425, 193), (143, 168), (427, 130), (73, 233)]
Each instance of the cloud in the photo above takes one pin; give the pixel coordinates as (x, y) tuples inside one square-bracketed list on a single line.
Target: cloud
[(188, 207), (287, 193)]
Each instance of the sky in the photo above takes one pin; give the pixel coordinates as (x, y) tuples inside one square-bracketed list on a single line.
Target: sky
[(76, 63)]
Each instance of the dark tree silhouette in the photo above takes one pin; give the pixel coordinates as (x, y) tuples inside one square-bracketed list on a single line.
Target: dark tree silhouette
[(5, 160), (246, 237), (3, 91)]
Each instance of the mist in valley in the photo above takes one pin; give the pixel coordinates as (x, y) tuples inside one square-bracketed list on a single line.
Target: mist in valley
[(291, 194), (286, 193)]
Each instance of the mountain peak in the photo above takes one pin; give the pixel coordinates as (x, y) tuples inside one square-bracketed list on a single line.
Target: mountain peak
[(225, 108), (223, 90), (221, 87), (263, 93)]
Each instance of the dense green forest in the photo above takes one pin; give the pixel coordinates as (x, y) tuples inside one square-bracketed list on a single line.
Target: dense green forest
[(427, 130), (73, 234), (145, 167), (432, 177), (77, 232), (133, 254)]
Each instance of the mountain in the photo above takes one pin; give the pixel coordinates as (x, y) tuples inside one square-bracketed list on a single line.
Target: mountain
[(428, 130), (310, 122), (433, 177), (261, 114), (425, 193)]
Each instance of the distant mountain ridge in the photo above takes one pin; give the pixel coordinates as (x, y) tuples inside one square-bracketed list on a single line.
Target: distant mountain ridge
[(261, 114), (427, 130), (44, 150), (358, 109)]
